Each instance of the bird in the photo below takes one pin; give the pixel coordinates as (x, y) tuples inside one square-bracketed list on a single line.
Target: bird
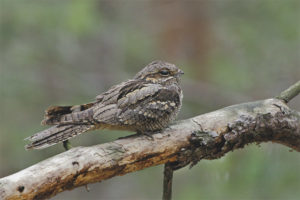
[(145, 104)]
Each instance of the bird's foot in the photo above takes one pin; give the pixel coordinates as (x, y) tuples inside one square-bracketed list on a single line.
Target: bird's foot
[(147, 134)]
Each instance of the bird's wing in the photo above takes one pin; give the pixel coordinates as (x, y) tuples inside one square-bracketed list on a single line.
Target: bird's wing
[(133, 93), (82, 113), (149, 103), (109, 106), (111, 95)]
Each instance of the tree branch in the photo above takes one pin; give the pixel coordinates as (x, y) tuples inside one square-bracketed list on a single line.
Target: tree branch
[(207, 136), (290, 93)]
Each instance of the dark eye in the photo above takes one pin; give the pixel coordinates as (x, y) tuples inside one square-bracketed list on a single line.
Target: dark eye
[(164, 72)]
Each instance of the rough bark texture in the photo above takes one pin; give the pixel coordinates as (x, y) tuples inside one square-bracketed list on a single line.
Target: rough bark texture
[(208, 136)]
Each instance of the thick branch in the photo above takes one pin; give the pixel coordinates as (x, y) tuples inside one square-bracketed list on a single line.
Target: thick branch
[(208, 136)]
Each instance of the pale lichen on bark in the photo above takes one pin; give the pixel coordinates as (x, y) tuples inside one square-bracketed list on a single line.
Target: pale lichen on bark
[(208, 136)]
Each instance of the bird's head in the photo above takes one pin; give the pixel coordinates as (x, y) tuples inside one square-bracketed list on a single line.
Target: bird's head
[(160, 72)]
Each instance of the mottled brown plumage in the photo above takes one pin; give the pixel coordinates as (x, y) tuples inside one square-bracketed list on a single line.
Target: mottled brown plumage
[(145, 104)]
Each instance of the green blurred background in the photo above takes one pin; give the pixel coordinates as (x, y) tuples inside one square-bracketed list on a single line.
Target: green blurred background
[(67, 52)]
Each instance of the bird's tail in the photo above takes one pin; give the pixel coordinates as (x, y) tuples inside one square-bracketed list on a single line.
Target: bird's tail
[(68, 114), (56, 134)]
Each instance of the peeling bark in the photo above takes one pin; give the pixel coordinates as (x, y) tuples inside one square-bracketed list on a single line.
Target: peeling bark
[(207, 136)]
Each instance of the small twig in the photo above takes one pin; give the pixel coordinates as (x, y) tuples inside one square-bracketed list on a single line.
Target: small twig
[(290, 93), (168, 178)]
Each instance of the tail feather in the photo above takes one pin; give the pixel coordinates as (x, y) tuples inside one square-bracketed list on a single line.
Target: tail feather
[(64, 114), (55, 134), (58, 110)]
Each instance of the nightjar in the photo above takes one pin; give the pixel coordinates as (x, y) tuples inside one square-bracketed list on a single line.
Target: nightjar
[(145, 104)]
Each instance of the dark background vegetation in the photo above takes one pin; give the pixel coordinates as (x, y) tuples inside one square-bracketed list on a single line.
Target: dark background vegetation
[(67, 52)]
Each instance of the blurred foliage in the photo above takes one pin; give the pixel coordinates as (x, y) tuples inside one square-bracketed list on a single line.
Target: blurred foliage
[(67, 52)]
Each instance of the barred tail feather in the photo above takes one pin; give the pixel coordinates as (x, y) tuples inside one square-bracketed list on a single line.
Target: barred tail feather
[(65, 114), (55, 134)]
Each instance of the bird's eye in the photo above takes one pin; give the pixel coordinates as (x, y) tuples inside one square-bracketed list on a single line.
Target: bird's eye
[(164, 72)]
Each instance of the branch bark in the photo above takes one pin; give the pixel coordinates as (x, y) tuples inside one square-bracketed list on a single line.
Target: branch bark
[(207, 136)]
